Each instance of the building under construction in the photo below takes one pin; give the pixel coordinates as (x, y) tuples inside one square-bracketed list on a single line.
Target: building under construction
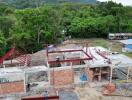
[(61, 66)]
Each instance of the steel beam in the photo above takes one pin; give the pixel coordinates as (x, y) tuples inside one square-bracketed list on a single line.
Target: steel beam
[(69, 60), (41, 98), (64, 51)]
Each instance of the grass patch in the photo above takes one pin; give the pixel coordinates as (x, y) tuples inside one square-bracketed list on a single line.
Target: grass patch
[(128, 54)]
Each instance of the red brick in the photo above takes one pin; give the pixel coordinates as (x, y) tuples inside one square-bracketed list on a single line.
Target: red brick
[(89, 74), (12, 87), (61, 77)]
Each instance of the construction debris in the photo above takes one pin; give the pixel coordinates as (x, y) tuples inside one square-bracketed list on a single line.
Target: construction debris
[(123, 89), (108, 89), (85, 93)]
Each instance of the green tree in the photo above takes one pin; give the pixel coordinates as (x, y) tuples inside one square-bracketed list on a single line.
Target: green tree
[(2, 44), (36, 26)]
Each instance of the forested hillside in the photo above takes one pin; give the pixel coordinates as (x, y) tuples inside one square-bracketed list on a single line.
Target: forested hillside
[(28, 29), (20, 4)]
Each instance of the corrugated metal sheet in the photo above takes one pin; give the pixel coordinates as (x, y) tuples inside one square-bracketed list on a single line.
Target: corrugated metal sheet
[(129, 41)]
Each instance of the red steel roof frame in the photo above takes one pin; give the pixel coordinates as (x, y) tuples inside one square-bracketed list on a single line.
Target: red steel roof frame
[(41, 98), (7, 54), (69, 60)]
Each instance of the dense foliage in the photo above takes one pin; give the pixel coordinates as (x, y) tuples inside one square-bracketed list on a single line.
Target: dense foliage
[(20, 4), (29, 28)]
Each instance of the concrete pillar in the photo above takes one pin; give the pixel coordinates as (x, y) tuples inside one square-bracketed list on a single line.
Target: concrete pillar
[(128, 72), (111, 72)]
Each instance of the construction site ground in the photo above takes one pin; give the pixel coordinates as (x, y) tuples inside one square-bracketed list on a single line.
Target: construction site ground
[(78, 93), (113, 45)]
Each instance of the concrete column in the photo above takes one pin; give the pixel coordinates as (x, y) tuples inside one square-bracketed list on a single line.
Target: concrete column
[(111, 72), (24, 82), (72, 72), (48, 72), (128, 72)]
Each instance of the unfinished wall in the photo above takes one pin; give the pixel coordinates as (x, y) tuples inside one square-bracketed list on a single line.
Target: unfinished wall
[(40, 76), (90, 74), (61, 77), (12, 87), (76, 62)]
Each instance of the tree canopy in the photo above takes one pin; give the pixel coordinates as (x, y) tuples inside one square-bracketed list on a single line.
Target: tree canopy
[(29, 28)]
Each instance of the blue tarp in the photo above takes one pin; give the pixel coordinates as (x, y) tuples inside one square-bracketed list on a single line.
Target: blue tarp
[(83, 77), (128, 46)]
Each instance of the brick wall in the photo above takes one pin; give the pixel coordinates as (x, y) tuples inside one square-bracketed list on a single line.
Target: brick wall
[(89, 73), (61, 77), (12, 87)]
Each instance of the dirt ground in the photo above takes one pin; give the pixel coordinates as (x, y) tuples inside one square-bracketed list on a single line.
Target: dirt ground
[(91, 94), (116, 98), (77, 93)]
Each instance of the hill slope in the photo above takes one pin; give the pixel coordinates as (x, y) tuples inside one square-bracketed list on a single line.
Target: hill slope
[(34, 3)]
